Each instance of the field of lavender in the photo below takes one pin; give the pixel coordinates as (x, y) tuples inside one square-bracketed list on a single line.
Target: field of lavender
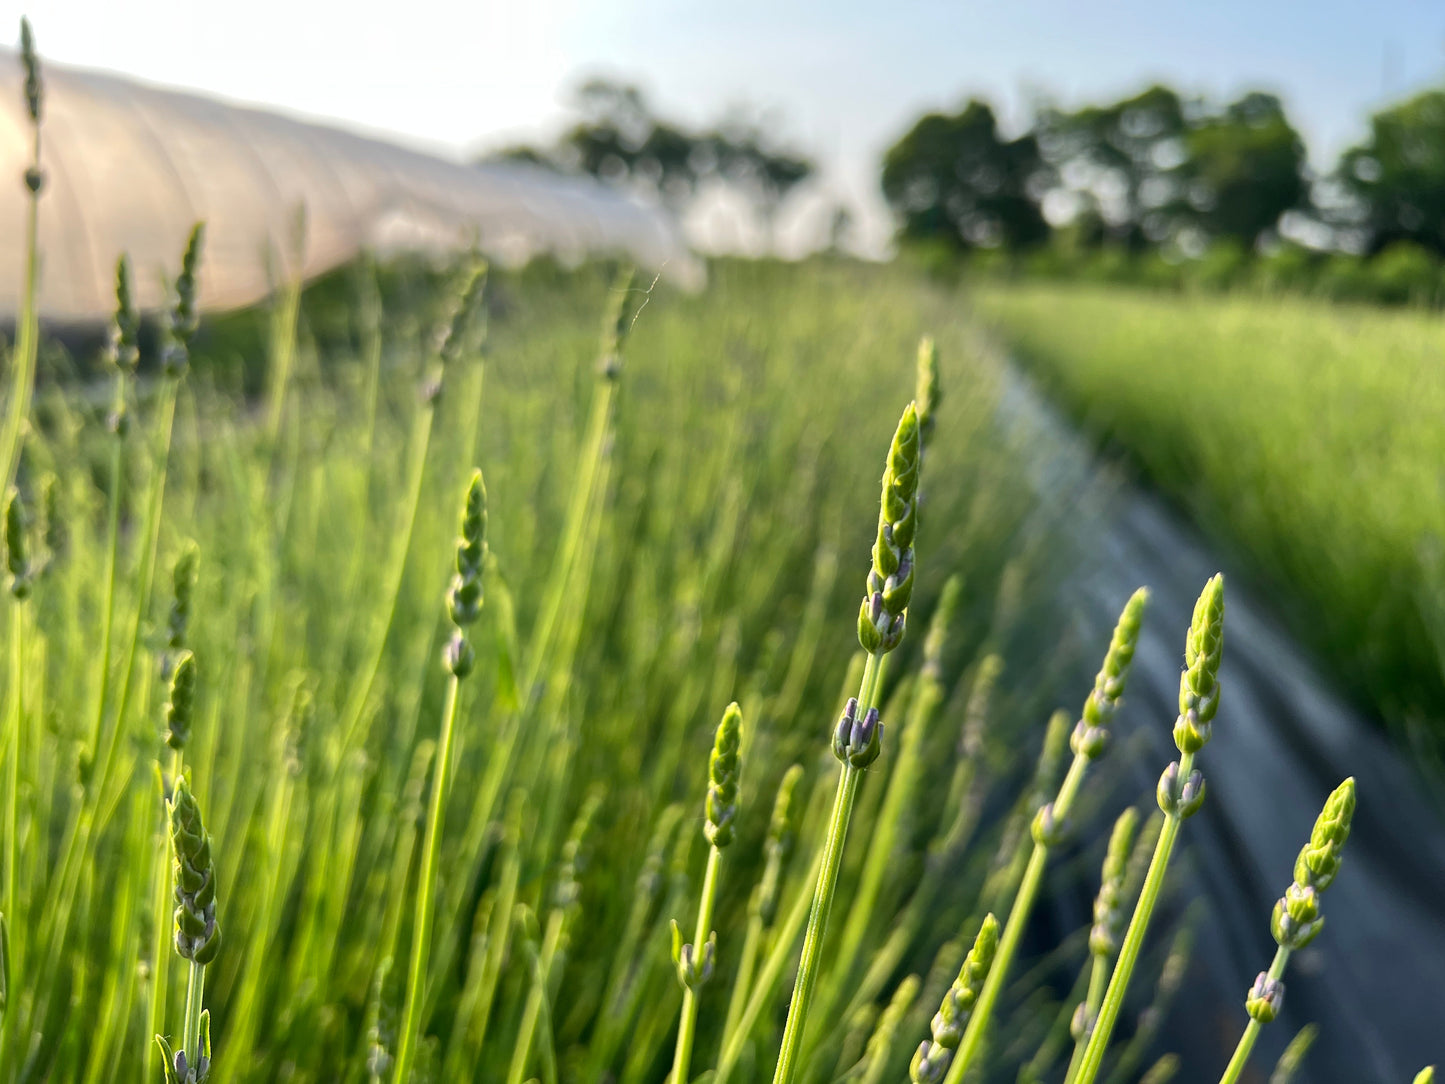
[(489, 698)]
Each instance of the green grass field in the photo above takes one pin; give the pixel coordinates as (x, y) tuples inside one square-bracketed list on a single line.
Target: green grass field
[(1308, 438)]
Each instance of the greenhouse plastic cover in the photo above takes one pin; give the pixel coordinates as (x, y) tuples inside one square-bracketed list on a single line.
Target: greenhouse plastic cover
[(130, 167)]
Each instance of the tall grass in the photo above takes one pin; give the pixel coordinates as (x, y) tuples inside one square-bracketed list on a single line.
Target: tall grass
[(1307, 436)]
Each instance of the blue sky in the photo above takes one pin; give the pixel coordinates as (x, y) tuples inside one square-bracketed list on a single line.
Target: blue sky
[(842, 79)]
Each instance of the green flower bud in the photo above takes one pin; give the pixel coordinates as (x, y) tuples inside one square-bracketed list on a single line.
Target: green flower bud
[(693, 969), (1049, 830), (1109, 905), (953, 1014), (928, 393), (183, 316), (198, 937), (1319, 861), (17, 551), (724, 771), (943, 617), (181, 1069), (124, 348), (858, 741), (464, 599), (890, 580), (30, 60), (464, 304), (616, 323), (1199, 684), (180, 708), (930, 1062), (1181, 798), (764, 902), (1091, 735), (1266, 998)]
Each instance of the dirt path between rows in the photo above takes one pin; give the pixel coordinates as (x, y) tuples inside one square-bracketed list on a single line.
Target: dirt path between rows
[(1374, 980)]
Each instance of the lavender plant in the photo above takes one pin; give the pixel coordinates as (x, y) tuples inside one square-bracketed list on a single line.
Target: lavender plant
[(881, 621), (464, 606), (1180, 795), (695, 959), (1090, 738), (1297, 920)]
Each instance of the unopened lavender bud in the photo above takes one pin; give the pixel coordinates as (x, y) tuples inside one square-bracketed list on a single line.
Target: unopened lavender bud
[(928, 393), (1048, 829), (938, 625), (1191, 796), (1319, 861), (1081, 1024), (724, 771), (1199, 684), (1295, 923), (197, 936), (890, 581), (464, 305), (930, 1062), (1181, 799), (764, 902), (124, 348), (693, 968), (1109, 913), (180, 708), (951, 1020), (858, 741), (1089, 741), (1091, 735), (1266, 998), (17, 550), (458, 655), (616, 323), (464, 599), (30, 61)]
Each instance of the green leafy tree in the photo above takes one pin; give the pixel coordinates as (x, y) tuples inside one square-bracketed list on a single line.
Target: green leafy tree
[(1120, 163), (955, 179), (1243, 169), (1395, 180)]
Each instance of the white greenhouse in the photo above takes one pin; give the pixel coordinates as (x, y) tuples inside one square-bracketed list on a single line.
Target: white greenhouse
[(130, 167)]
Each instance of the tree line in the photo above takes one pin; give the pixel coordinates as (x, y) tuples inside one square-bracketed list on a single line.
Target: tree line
[(1158, 171)]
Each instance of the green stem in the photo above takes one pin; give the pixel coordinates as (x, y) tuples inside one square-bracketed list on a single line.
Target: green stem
[(145, 574), (902, 791), (847, 793), (361, 687), (283, 352), (773, 966), (687, 1023), (13, 965), (27, 336), (1098, 979), (536, 998), (160, 947), (1133, 941), (1018, 918), (1251, 1031), (426, 884), (107, 620), (195, 994), (742, 985)]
